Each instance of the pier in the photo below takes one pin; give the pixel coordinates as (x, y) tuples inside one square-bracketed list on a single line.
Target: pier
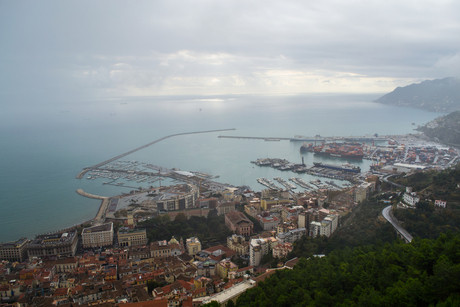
[(79, 176)]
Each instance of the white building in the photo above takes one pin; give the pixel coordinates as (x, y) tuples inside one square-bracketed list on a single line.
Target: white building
[(100, 235), (322, 228), (411, 198), (315, 229), (440, 203), (259, 248), (291, 236), (334, 219)]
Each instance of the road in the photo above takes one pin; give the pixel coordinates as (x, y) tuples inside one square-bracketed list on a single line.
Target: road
[(386, 212), (392, 183)]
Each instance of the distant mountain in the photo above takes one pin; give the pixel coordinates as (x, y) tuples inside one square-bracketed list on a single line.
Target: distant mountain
[(440, 95), (444, 128)]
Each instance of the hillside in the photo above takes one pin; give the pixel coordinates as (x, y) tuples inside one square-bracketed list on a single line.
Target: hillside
[(445, 128), (440, 95), (422, 273)]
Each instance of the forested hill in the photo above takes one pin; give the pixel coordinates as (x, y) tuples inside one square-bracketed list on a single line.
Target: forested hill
[(440, 95), (445, 128), (422, 273)]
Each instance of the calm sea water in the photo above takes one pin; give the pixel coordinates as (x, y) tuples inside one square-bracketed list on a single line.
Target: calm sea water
[(45, 145)]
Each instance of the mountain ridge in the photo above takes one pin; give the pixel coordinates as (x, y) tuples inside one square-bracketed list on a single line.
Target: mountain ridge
[(438, 95)]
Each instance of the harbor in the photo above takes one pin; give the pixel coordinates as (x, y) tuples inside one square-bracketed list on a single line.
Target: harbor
[(340, 172)]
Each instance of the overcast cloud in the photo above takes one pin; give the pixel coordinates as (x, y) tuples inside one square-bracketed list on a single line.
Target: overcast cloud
[(100, 49)]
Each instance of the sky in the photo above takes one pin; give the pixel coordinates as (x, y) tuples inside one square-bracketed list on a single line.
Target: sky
[(77, 50)]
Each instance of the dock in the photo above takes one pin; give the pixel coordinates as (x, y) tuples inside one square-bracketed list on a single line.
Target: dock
[(310, 139)]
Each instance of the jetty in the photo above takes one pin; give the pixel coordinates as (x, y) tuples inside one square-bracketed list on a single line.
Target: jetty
[(79, 176), (100, 216)]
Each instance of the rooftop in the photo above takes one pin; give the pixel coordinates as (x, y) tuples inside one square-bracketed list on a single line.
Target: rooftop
[(13, 244), (98, 228), (54, 238)]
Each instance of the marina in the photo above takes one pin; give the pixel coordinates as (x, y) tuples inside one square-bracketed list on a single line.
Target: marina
[(137, 173)]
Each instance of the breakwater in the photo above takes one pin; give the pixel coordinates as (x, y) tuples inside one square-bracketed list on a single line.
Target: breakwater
[(100, 216), (81, 174)]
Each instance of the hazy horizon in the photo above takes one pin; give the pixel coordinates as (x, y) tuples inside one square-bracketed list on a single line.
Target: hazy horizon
[(85, 50)]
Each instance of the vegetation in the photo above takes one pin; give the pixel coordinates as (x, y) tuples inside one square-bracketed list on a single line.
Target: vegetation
[(208, 229), (426, 222), (434, 185), (121, 213), (366, 227), (306, 247), (423, 273)]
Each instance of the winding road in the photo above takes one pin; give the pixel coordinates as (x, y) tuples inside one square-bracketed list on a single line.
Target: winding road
[(386, 212)]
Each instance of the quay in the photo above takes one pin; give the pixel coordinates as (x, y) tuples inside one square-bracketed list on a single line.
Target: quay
[(311, 139), (79, 176)]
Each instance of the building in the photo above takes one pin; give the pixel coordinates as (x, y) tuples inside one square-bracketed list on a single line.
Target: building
[(260, 247), (305, 218), (287, 212), (238, 244), (363, 191), (323, 228), (207, 268), (282, 250), (359, 194), (315, 229), (160, 249), (225, 207), (257, 249), (66, 265), (192, 245), (440, 203), (251, 210), (411, 198), (208, 203), (179, 197), (229, 193), (131, 237), (271, 197), (268, 222), (291, 236), (224, 267), (96, 236), (334, 221), (238, 223), (54, 244), (14, 251)]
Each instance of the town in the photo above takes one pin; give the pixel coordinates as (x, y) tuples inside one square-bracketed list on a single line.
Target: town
[(120, 257), (109, 260)]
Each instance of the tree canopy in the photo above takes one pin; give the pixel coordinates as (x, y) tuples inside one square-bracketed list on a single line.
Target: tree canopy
[(422, 273)]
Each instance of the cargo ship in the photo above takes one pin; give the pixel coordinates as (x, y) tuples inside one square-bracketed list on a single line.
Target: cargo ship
[(345, 167), (338, 150)]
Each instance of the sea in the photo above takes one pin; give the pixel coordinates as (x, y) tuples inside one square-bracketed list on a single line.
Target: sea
[(46, 144)]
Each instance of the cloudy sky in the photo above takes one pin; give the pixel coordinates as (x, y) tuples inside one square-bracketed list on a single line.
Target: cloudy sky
[(103, 49)]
